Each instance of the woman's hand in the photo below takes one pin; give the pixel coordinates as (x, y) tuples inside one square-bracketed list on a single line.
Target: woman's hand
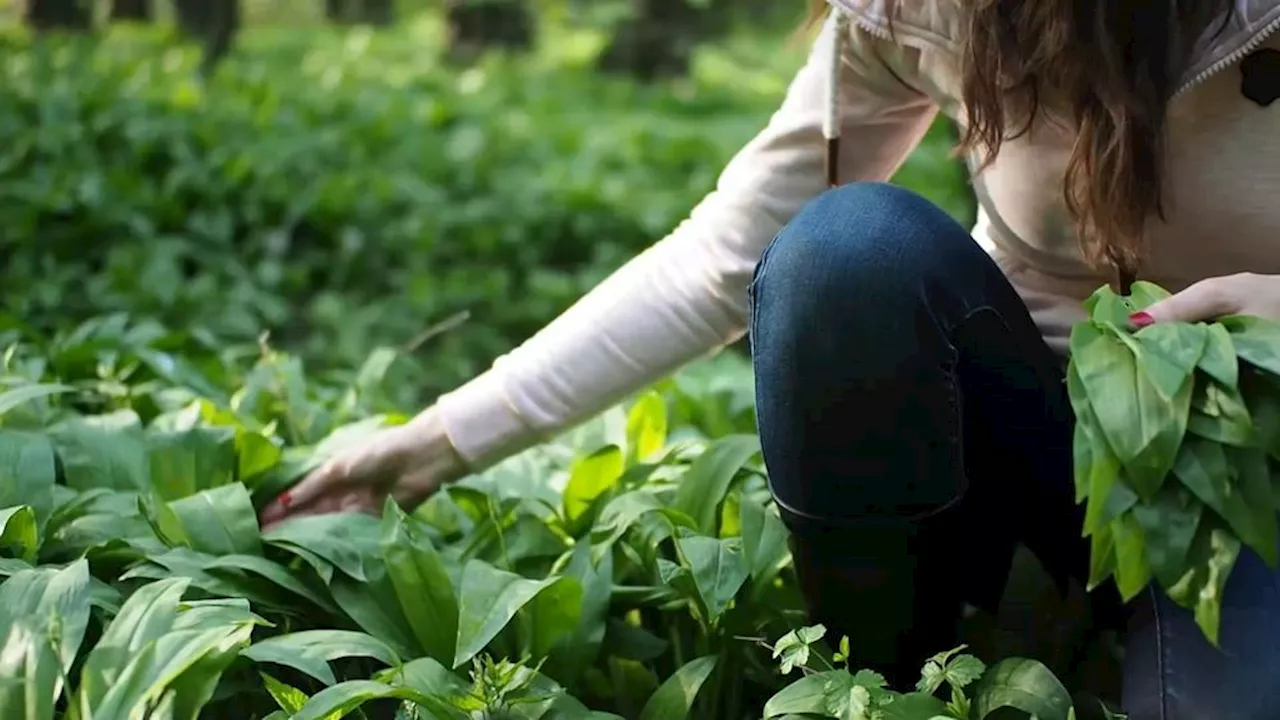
[(407, 462), (1241, 294)]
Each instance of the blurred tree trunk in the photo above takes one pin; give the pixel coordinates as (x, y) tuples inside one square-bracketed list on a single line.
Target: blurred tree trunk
[(379, 12), (212, 22), (360, 12), (59, 14), (135, 10), (477, 25), (659, 38)]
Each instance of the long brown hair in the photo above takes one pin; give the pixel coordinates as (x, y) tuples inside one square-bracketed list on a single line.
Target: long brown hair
[(1107, 69)]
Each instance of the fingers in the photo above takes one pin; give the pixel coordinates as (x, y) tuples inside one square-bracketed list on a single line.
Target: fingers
[(327, 490), (308, 496), (358, 481), (1205, 300)]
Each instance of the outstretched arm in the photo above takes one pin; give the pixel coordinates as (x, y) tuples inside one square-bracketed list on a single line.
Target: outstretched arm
[(686, 296), (680, 299)]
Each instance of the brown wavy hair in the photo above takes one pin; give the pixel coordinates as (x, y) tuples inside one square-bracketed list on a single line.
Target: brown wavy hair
[(1106, 69)]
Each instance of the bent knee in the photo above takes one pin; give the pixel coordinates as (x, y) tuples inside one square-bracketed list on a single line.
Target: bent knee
[(875, 240)]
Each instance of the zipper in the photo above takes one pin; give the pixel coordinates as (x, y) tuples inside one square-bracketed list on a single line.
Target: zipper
[(1239, 54), (866, 25)]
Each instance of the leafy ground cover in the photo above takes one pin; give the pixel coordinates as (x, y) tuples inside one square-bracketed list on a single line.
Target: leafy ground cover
[(634, 568)]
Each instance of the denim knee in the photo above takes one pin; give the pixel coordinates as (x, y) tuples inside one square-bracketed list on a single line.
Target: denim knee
[(851, 311), (863, 247)]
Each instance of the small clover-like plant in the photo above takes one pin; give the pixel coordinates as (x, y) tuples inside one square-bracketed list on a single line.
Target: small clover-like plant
[(792, 650), (955, 669)]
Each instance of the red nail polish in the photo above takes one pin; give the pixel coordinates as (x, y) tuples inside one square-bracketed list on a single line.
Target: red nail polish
[(1141, 319), (286, 499)]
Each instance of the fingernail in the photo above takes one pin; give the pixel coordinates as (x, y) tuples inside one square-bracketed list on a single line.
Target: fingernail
[(285, 499), (1141, 319)]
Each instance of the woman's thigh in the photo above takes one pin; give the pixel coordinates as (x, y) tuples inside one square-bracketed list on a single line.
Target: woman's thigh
[(895, 364), (1173, 673)]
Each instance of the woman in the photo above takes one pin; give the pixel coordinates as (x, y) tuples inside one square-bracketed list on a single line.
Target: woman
[(902, 370)]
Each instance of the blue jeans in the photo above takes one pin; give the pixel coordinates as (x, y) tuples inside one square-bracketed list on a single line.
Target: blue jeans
[(916, 428)]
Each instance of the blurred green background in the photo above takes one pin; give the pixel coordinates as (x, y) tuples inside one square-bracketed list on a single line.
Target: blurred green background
[(441, 176)]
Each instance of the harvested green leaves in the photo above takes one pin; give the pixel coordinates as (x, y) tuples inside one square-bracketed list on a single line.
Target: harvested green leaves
[(1177, 448)]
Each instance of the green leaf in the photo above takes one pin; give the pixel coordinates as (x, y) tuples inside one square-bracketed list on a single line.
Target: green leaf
[(1253, 481), (1169, 353), (1262, 396), (43, 617), (591, 476), (489, 599), (1107, 496), (792, 649), (254, 565), (1212, 557), (30, 674), (338, 700), (179, 371), (220, 521), (1256, 340), (1097, 470), (28, 472), (289, 698), (1102, 556), (1024, 685), (674, 699), (186, 462), (157, 648), (764, 541), (1083, 451), (595, 578), (915, 706), (1204, 470), (627, 510), (426, 676), (256, 454), (1143, 295), (705, 483), (421, 582), (1221, 414), (347, 542), (186, 563), (719, 569), (1169, 524), (11, 399), (1219, 359), (646, 426), (815, 694), (310, 651), (19, 536), (375, 609), (1132, 572), (104, 452), (374, 370), (1142, 428), (952, 667), (1107, 308), (554, 616)]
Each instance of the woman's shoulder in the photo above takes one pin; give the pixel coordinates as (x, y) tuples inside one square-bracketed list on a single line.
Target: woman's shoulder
[(916, 22)]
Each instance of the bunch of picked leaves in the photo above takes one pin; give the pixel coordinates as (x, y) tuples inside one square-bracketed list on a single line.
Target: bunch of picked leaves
[(1177, 445)]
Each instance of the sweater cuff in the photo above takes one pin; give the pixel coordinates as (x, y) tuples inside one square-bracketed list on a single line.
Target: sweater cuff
[(481, 423)]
